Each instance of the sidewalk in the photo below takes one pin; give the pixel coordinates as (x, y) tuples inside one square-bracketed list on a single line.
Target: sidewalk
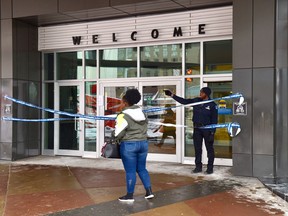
[(75, 186)]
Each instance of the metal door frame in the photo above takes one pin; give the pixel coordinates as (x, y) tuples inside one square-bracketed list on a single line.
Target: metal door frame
[(179, 144), (139, 85), (217, 161), (101, 109), (58, 151)]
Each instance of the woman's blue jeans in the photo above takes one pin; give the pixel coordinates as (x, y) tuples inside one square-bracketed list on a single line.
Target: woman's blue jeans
[(133, 155)]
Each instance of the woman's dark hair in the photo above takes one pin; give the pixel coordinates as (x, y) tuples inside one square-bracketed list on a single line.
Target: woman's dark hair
[(132, 96)]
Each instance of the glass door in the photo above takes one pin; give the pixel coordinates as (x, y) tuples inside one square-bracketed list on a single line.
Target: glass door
[(223, 142), (70, 137), (109, 103), (164, 141)]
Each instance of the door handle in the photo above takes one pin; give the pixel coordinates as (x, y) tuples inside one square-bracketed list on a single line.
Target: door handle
[(75, 125)]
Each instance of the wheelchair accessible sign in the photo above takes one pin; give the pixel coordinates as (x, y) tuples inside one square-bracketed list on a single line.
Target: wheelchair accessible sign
[(239, 109)]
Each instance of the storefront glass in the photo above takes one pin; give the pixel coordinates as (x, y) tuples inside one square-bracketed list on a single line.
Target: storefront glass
[(118, 63), (161, 60), (90, 109), (223, 142), (217, 57), (49, 66), (90, 64), (69, 66), (156, 62), (192, 89), (69, 129), (161, 138), (192, 58)]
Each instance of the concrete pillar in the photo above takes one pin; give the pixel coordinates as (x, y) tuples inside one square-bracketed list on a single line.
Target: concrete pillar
[(254, 76)]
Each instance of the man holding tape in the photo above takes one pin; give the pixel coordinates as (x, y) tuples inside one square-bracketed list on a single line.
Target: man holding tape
[(203, 114)]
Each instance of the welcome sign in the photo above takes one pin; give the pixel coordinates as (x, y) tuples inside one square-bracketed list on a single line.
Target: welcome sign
[(139, 30)]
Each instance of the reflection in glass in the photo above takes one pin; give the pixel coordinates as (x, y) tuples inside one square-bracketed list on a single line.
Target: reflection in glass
[(161, 139), (49, 126), (161, 60), (49, 66), (90, 64), (90, 109), (223, 142), (69, 129), (118, 63), (217, 57), (69, 65), (192, 58), (192, 89)]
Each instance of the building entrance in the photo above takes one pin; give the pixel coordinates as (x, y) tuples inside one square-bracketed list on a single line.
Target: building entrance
[(164, 141), (69, 130)]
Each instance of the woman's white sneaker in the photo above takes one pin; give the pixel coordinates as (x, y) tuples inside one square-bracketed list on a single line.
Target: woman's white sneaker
[(149, 196), (126, 198)]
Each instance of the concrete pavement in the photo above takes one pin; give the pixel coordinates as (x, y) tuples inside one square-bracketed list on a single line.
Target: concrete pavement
[(74, 186)]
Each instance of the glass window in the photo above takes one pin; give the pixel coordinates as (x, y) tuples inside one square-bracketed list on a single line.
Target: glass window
[(217, 57), (118, 63), (69, 129), (90, 64), (49, 66), (90, 109), (162, 139), (192, 59), (69, 65), (161, 60), (49, 126), (192, 89)]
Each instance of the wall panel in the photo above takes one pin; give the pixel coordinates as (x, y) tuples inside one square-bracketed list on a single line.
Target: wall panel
[(263, 111), (34, 7)]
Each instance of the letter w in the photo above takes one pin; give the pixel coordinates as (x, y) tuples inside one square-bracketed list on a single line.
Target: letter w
[(76, 40)]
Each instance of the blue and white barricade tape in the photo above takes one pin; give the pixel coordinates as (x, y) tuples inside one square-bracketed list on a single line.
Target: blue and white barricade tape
[(233, 128), (60, 112), (229, 126), (232, 96), (112, 117), (36, 120)]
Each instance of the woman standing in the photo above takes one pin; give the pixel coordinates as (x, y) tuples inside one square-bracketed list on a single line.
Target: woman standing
[(131, 131)]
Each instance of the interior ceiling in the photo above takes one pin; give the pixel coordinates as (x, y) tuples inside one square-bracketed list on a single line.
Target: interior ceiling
[(118, 11)]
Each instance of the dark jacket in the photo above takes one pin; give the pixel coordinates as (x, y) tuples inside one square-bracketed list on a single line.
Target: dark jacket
[(203, 114)]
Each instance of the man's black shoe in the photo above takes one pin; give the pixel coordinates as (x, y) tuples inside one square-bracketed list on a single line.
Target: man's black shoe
[(209, 171), (197, 170)]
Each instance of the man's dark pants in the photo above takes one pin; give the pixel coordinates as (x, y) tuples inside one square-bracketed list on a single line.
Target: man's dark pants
[(198, 136)]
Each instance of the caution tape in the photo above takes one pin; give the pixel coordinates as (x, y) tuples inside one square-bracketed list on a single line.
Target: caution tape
[(229, 126), (59, 112), (232, 96), (233, 128), (36, 120)]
